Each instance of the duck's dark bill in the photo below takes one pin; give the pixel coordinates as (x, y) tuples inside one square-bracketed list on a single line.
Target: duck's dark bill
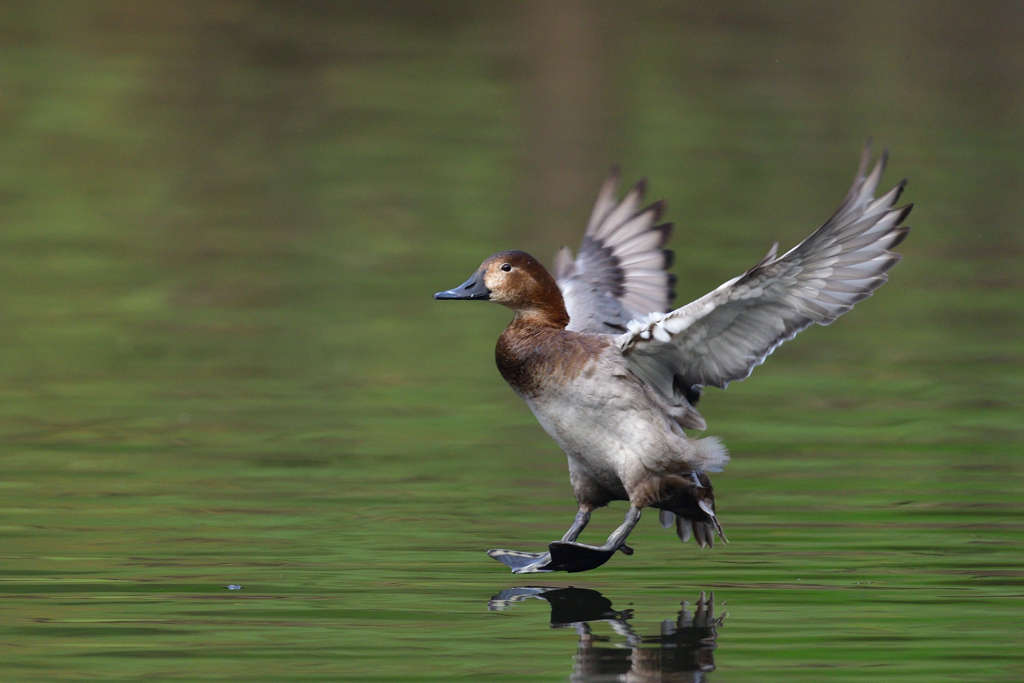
[(473, 288)]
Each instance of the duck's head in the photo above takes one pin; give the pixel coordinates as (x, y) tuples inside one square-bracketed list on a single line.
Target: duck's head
[(517, 280)]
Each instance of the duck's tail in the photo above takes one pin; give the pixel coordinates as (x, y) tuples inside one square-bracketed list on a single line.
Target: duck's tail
[(692, 508), (711, 454)]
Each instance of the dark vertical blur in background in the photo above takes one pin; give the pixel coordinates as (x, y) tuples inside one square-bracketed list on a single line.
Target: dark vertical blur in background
[(220, 226)]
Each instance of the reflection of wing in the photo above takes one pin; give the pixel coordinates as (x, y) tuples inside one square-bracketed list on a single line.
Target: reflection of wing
[(723, 335), (619, 273)]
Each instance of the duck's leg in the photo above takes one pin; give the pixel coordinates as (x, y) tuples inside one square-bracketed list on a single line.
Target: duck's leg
[(570, 556), (526, 563), (578, 525), (582, 518)]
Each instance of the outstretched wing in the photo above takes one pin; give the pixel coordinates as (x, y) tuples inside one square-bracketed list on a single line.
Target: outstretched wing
[(619, 274), (720, 337)]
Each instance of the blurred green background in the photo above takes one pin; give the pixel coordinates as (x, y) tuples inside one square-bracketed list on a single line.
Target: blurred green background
[(221, 224)]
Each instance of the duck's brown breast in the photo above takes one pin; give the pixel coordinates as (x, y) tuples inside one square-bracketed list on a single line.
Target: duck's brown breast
[(531, 358)]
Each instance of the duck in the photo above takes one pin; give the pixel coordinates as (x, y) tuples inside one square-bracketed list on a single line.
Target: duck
[(613, 372)]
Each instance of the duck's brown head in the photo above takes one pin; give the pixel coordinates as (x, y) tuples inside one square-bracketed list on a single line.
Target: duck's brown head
[(517, 280)]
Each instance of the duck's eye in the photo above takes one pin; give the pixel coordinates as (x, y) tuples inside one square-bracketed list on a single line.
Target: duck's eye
[(506, 267)]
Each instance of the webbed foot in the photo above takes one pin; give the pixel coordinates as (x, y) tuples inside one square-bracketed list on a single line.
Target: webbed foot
[(522, 563), (577, 557), (567, 555), (562, 556)]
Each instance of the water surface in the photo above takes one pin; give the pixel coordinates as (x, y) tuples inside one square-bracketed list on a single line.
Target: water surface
[(220, 363)]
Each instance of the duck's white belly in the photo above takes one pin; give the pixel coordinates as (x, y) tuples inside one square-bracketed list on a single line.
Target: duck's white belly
[(607, 426)]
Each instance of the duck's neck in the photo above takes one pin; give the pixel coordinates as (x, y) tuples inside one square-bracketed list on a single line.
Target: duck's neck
[(546, 316)]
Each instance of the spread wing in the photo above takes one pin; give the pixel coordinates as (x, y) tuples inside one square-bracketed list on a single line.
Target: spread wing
[(720, 337), (619, 274)]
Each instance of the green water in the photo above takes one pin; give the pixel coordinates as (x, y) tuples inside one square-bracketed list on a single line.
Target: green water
[(220, 227)]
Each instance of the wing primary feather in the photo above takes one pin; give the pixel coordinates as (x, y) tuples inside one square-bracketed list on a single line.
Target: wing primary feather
[(605, 200), (722, 336), (563, 263), (625, 209), (619, 272)]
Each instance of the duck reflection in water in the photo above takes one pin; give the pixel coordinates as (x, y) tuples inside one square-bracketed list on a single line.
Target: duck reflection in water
[(683, 651)]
